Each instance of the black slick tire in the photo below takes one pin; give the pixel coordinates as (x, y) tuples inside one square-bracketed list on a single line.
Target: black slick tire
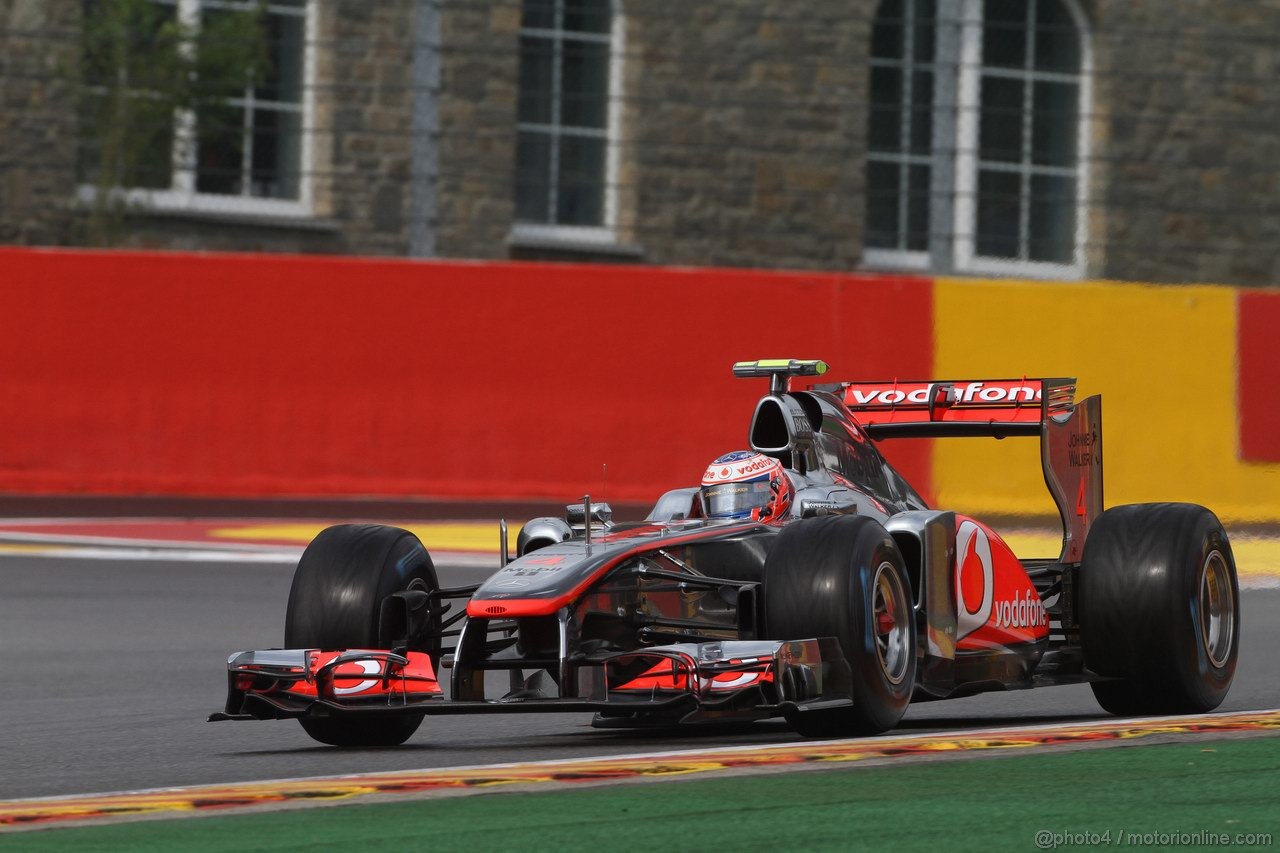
[(829, 577), (1159, 609), (338, 589)]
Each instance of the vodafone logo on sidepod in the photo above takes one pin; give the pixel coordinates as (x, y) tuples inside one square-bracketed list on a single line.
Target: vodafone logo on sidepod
[(975, 589), (975, 580)]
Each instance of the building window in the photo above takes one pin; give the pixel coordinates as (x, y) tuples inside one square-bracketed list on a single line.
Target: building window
[(251, 144), (567, 115), (976, 158), (246, 150), (900, 147)]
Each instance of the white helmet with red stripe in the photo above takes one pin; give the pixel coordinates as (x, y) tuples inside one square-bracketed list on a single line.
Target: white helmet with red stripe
[(746, 484)]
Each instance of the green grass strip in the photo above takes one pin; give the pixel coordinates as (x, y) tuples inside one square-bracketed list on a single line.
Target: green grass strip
[(1229, 787)]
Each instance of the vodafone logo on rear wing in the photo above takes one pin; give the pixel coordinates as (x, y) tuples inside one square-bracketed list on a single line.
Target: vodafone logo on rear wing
[(953, 408), (884, 395)]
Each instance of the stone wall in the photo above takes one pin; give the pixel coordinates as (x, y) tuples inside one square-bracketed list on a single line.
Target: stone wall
[(364, 100), (37, 137), (480, 69), (1193, 144), (744, 129), (742, 140)]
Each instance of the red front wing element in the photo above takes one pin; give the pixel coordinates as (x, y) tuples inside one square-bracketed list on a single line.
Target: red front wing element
[(664, 676), (291, 680)]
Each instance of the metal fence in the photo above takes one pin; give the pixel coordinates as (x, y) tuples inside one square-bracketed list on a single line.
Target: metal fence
[(1041, 138)]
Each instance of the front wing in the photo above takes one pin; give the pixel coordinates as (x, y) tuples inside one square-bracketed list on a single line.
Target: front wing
[(686, 682)]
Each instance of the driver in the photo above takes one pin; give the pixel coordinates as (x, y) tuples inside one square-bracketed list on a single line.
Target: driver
[(746, 484)]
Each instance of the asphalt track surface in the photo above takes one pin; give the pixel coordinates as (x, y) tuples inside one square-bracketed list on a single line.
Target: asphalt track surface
[(111, 668)]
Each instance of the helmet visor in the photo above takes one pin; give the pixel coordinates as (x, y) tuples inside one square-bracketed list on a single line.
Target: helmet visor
[(735, 500)]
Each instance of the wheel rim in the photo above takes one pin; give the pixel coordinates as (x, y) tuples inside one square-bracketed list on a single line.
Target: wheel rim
[(1217, 609), (891, 623)]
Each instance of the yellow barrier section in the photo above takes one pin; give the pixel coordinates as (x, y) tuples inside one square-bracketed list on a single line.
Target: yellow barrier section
[(1164, 359), (478, 536)]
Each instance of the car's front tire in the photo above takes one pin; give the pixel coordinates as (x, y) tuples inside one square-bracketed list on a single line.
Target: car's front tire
[(1159, 609), (338, 589), (844, 577)]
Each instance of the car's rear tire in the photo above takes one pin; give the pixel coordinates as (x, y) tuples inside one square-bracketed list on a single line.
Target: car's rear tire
[(1159, 609), (338, 589), (839, 576)]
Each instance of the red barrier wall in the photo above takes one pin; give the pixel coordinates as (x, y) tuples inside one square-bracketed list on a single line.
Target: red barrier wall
[(136, 373), (1259, 376)]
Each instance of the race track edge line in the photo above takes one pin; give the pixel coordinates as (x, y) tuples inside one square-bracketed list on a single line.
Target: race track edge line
[(48, 812)]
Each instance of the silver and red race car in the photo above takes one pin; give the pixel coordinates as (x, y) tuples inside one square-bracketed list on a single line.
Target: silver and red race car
[(833, 608)]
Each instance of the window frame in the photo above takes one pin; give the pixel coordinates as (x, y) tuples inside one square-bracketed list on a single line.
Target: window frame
[(606, 233), (957, 126), (182, 195), (907, 66)]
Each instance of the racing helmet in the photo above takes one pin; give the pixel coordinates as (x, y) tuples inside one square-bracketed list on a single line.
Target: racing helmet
[(746, 484)]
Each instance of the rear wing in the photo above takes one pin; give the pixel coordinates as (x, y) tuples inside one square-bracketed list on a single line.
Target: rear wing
[(1070, 433), (988, 407)]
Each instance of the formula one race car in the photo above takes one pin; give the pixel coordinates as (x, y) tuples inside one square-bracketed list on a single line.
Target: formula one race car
[(803, 579)]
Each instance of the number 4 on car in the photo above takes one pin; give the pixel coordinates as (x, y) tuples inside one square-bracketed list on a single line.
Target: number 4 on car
[(802, 577)]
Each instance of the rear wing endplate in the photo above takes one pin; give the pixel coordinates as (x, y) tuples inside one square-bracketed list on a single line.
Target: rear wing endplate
[(1070, 433)]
